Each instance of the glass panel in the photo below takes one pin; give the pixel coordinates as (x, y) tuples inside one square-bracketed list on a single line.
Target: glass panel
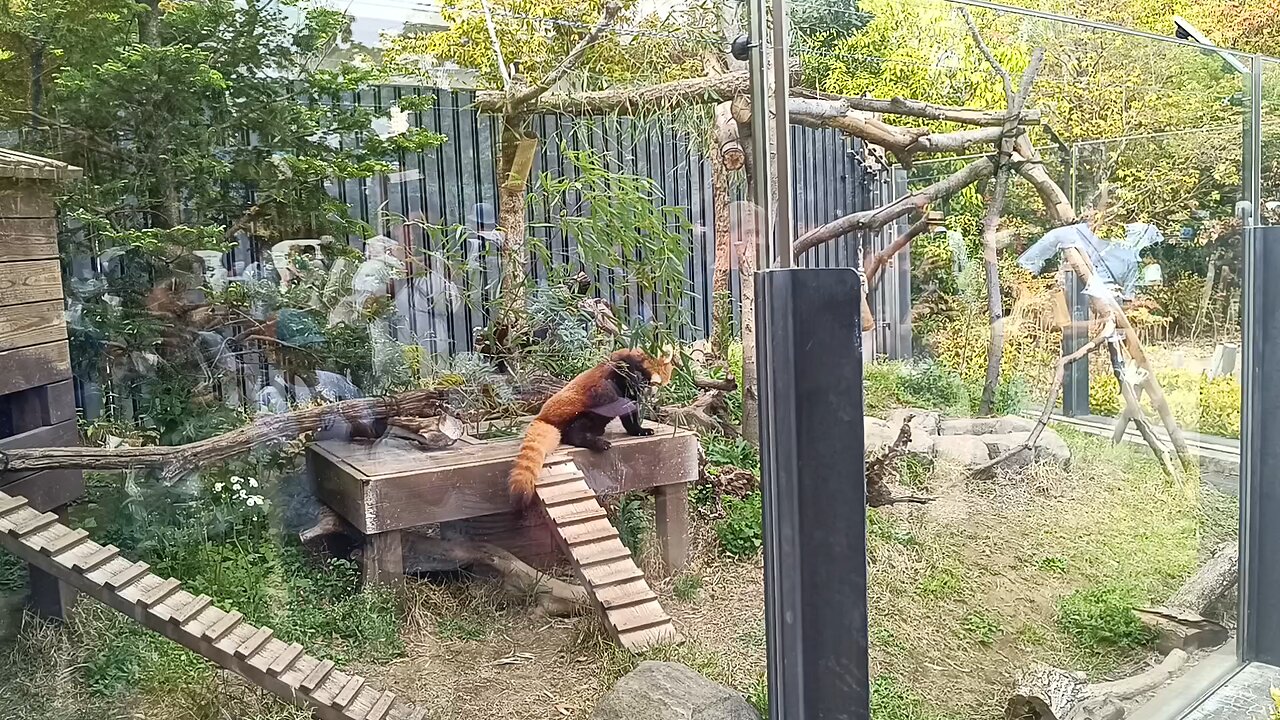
[(307, 286), (1118, 241)]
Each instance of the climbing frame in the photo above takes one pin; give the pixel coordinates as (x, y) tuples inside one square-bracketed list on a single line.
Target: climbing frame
[(615, 583), (192, 620)]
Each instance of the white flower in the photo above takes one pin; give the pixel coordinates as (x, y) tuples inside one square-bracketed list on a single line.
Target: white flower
[(235, 486), (254, 500), (253, 483), (236, 478), (217, 487)]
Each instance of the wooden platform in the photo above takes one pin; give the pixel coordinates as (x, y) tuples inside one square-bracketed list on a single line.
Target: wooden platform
[(192, 620), (387, 486), (617, 587)]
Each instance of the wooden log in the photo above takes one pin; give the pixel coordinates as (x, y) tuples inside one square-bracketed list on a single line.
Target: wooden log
[(431, 433), (267, 430), (1180, 622), (1049, 693), (708, 413)]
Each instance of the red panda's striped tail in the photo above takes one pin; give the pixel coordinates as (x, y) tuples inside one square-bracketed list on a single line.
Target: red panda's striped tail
[(541, 438)]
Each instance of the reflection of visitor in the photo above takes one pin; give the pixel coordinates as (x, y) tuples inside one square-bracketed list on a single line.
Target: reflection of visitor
[(1152, 275)]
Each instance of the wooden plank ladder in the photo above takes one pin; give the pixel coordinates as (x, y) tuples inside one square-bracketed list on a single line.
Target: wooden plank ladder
[(192, 620), (614, 582)]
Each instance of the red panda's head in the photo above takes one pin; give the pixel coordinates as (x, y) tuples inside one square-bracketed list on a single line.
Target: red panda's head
[(657, 370)]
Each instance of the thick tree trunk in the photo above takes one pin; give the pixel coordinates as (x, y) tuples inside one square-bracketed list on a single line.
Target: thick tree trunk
[(726, 155), (512, 222)]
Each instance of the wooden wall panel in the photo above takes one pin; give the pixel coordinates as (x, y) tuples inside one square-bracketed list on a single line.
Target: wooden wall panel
[(31, 281), (32, 324), (34, 366), (28, 239), (26, 200)]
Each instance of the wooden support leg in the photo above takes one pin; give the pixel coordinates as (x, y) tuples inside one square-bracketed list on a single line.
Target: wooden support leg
[(383, 558), (672, 515), (50, 597)]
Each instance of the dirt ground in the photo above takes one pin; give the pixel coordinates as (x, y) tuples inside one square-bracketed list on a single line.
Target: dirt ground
[(963, 594)]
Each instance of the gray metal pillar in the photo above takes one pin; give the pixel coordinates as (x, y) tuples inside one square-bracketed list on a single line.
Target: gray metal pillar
[(1075, 383), (1259, 623), (814, 493)]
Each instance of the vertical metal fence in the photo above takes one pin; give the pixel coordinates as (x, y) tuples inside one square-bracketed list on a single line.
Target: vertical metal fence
[(444, 202)]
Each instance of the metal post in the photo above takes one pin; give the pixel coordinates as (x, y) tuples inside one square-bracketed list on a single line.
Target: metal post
[(782, 227), (1251, 167), (1259, 626), (1075, 383), (814, 493), (757, 66)]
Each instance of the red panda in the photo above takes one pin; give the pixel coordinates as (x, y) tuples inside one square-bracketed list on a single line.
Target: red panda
[(578, 413)]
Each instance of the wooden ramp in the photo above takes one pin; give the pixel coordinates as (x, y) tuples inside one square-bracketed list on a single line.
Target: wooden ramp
[(615, 583), (190, 620)]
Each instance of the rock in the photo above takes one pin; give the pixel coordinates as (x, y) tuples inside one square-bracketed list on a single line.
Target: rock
[(1053, 449), (1013, 424), (999, 444), (877, 435), (671, 691), (923, 422), (968, 450), (1050, 448), (967, 426)]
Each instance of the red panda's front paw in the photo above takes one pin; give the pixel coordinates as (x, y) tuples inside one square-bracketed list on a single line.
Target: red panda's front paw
[(601, 445), (644, 432)]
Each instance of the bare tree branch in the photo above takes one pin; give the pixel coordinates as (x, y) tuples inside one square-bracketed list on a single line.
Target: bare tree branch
[(926, 111), (265, 431), (878, 260), (905, 143), (991, 224), (986, 52), (877, 218), (628, 101), (571, 61)]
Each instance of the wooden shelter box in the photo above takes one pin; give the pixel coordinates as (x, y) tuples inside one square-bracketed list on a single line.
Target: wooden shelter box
[(37, 400), (384, 487)]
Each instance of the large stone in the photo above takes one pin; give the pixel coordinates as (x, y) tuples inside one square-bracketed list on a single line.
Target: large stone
[(967, 426), (923, 422), (671, 691), (877, 435), (1014, 424), (1050, 448), (968, 451)]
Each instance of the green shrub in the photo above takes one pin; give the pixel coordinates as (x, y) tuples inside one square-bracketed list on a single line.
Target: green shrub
[(741, 532), (735, 451), (633, 517), (1102, 616), (13, 574)]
